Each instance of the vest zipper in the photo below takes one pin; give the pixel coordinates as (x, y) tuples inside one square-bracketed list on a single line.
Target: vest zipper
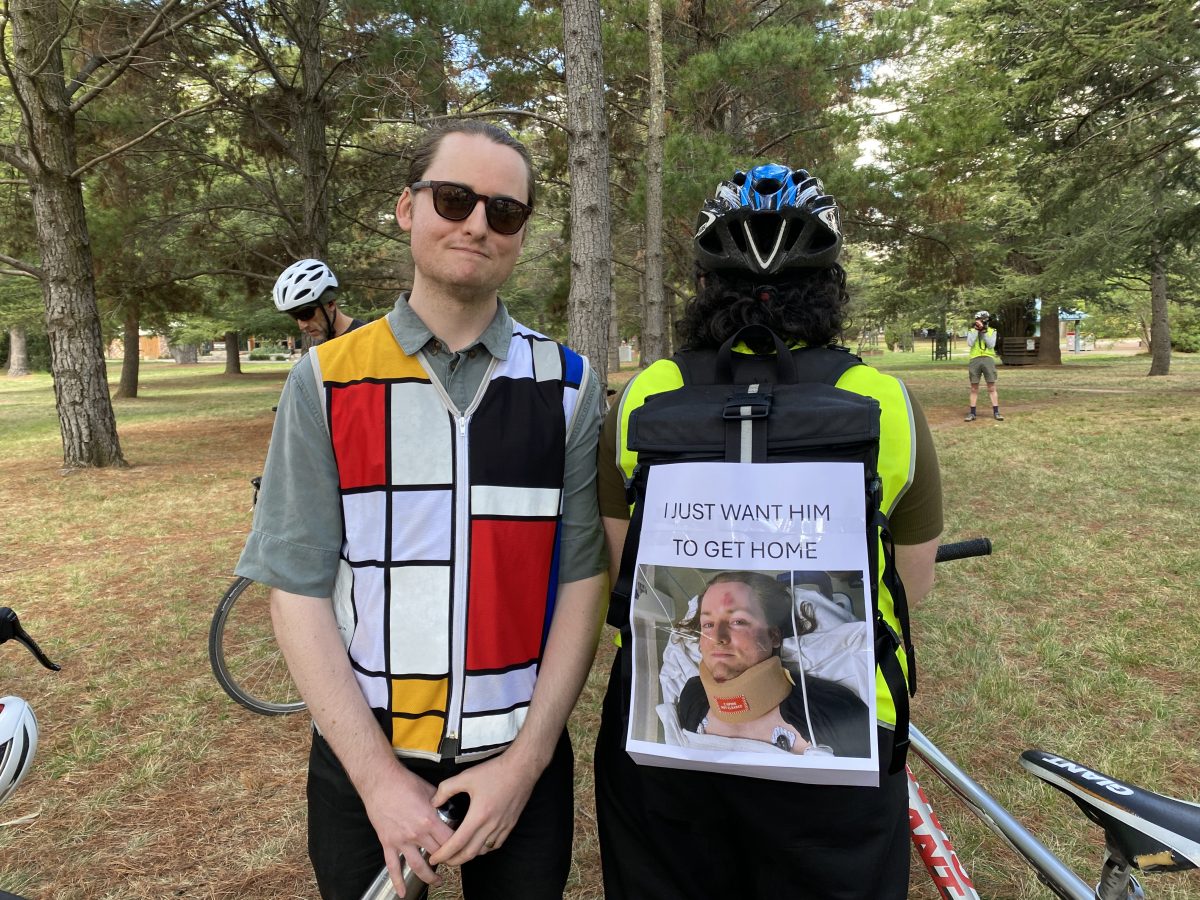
[(451, 743), (458, 613)]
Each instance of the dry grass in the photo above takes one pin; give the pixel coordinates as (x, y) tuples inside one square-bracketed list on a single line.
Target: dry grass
[(151, 784)]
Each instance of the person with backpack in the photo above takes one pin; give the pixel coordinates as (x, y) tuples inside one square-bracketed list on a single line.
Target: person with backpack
[(307, 291), (981, 363), (770, 303)]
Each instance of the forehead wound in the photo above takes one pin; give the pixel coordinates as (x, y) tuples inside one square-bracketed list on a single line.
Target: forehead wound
[(723, 598)]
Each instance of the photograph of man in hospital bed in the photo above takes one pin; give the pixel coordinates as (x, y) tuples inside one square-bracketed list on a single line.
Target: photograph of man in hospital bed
[(766, 673)]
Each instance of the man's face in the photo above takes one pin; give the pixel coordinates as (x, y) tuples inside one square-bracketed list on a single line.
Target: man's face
[(467, 259), (317, 327), (734, 632)]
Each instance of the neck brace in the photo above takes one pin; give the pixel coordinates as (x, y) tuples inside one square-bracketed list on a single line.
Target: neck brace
[(745, 697)]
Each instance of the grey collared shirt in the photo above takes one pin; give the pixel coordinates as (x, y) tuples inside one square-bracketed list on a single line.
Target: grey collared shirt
[(297, 534)]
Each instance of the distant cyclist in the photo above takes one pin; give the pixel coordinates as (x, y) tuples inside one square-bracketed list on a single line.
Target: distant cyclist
[(981, 341), (307, 291)]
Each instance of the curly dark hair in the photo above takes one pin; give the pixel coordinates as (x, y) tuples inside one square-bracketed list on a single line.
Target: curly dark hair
[(806, 306)]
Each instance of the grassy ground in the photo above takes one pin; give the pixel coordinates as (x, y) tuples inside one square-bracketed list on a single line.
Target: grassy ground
[(150, 783)]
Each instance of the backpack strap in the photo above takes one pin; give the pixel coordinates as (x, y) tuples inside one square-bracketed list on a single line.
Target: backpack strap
[(885, 651)]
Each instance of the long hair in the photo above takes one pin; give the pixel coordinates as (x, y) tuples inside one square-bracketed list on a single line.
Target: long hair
[(805, 306)]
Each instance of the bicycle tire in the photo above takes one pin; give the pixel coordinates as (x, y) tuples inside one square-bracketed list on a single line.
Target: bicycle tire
[(246, 661)]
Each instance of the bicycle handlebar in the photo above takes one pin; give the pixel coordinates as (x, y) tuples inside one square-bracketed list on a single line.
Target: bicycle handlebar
[(10, 629), (980, 546)]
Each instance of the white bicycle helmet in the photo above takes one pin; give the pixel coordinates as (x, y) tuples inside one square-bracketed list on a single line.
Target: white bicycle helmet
[(302, 283), (18, 743)]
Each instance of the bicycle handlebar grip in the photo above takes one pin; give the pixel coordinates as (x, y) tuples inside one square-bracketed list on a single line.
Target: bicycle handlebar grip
[(980, 546)]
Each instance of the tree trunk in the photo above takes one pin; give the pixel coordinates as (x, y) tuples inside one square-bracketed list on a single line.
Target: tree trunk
[(185, 354), (587, 159), (85, 413), (654, 342), (233, 359), (309, 118), (131, 356), (614, 330), (18, 352), (1049, 353), (1160, 327)]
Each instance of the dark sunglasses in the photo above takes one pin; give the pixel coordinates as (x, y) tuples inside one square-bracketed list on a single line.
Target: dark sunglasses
[(456, 202), (304, 313)]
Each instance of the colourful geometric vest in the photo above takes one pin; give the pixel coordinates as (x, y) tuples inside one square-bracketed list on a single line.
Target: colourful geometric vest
[(449, 561)]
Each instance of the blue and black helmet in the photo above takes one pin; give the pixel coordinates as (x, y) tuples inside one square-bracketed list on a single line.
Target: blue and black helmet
[(767, 221)]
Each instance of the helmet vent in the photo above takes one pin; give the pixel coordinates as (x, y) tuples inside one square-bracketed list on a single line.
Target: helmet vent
[(766, 234)]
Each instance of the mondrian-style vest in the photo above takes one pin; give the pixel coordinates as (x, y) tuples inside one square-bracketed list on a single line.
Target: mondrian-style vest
[(448, 575)]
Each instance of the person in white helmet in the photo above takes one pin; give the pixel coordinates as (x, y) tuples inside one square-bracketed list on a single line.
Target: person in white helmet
[(307, 291)]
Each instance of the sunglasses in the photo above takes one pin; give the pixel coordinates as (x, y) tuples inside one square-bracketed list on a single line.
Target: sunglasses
[(456, 202), (304, 313)]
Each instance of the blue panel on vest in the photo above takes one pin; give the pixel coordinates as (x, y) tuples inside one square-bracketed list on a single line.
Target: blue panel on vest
[(574, 366)]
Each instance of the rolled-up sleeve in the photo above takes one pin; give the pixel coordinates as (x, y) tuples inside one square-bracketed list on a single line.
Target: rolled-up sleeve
[(583, 552), (297, 534)]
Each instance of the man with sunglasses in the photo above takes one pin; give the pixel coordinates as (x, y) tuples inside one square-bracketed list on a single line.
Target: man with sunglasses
[(307, 291), (434, 473)]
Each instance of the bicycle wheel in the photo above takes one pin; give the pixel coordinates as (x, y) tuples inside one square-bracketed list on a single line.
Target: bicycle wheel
[(247, 662)]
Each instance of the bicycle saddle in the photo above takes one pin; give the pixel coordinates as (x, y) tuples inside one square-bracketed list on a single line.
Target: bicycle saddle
[(1154, 833)]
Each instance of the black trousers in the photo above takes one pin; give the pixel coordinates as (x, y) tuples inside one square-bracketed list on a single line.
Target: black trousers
[(671, 834), (532, 864)]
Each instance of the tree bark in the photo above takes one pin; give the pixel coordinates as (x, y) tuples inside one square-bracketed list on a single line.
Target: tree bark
[(85, 413), (654, 342), (587, 160), (1049, 352), (309, 120), (18, 352), (185, 354), (131, 356), (1160, 327), (233, 359), (614, 330)]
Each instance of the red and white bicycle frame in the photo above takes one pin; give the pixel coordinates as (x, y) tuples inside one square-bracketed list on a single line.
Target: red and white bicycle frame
[(934, 847)]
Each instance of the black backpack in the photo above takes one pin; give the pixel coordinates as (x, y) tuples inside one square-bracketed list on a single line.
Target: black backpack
[(784, 407)]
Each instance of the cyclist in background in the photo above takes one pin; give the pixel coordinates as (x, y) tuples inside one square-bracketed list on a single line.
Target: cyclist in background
[(981, 340), (307, 291)]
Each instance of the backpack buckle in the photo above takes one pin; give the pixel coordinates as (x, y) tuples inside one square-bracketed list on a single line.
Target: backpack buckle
[(747, 405)]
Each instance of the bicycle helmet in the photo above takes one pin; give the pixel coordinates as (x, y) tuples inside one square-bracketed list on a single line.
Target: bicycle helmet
[(767, 221), (302, 283), (984, 316), (18, 743)]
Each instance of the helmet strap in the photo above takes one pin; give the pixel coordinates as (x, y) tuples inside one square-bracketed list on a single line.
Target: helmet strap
[(329, 335)]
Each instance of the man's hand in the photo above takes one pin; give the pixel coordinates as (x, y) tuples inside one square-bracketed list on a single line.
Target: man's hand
[(402, 812), (499, 789)]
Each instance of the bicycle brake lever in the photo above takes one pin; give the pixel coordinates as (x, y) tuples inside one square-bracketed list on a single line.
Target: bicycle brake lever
[(10, 629)]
